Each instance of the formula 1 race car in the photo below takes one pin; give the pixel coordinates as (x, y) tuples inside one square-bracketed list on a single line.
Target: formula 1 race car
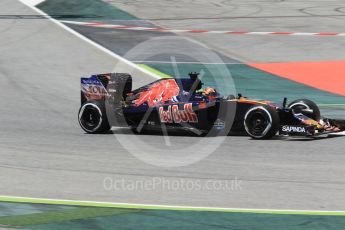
[(108, 100)]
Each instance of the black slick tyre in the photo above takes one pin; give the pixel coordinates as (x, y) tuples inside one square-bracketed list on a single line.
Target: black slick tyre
[(307, 108), (261, 122), (92, 117)]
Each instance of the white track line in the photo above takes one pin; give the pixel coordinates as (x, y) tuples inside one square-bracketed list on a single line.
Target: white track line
[(162, 207), (82, 37), (188, 62), (33, 2), (164, 30)]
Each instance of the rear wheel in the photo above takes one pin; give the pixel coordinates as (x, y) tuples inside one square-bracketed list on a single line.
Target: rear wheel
[(92, 118), (261, 122), (307, 108)]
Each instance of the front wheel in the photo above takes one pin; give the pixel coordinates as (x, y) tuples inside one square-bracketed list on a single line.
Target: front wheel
[(92, 118), (307, 108), (261, 122)]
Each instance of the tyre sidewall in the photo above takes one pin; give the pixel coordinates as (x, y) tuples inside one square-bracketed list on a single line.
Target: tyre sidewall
[(309, 105), (102, 125), (273, 119)]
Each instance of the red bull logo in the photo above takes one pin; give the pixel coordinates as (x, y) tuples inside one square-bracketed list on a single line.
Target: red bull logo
[(174, 115)]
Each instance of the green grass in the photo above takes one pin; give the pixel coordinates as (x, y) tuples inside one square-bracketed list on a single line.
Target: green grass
[(88, 10), (188, 220), (145, 217), (136, 207), (61, 216)]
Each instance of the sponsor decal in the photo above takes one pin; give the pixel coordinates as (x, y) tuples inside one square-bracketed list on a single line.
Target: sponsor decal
[(219, 124), (90, 81), (93, 80), (294, 129), (151, 123), (93, 89), (174, 115), (94, 92)]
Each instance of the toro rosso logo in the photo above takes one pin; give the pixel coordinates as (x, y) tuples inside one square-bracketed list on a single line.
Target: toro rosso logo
[(293, 129), (174, 115), (93, 89)]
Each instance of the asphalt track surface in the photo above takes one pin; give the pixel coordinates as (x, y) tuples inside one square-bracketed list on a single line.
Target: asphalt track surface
[(253, 15), (44, 153)]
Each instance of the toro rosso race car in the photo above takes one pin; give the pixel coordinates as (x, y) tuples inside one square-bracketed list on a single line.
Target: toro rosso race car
[(168, 104)]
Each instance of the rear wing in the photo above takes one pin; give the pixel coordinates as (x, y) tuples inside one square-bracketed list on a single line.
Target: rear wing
[(94, 88), (101, 87)]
